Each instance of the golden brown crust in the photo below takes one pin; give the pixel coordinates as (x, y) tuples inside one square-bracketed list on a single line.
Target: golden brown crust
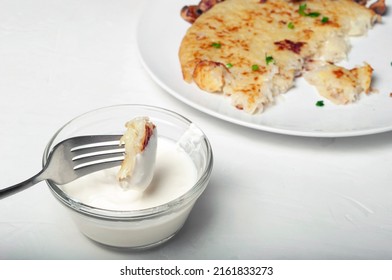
[(209, 76)]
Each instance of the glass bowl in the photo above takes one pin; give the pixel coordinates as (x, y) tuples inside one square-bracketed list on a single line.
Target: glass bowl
[(146, 227)]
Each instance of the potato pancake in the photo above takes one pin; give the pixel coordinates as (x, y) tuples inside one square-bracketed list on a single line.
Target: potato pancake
[(253, 50)]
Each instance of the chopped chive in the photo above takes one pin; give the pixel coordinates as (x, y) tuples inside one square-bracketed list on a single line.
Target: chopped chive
[(290, 25), (302, 9), (216, 45), (320, 103), (324, 19), (255, 67), (313, 14), (229, 65), (269, 59)]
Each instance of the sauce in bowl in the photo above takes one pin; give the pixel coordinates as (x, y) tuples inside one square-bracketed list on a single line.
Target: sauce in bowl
[(174, 175)]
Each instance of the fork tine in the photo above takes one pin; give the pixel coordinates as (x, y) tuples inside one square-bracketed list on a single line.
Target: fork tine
[(90, 140), (87, 169), (91, 153), (98, 150), (98, 158)]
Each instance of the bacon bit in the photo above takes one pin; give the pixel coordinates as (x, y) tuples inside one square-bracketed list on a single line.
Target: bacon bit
[(290, 45), (192, 12), (361, 2), (379, 7), (149, 130)]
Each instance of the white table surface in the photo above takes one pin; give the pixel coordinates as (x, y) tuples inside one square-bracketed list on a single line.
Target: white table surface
[(270, 196)]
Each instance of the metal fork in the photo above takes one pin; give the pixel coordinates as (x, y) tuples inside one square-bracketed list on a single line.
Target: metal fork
[(73, 158)]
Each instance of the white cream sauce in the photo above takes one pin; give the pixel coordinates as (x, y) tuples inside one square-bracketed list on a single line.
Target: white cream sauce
[(174, 175)]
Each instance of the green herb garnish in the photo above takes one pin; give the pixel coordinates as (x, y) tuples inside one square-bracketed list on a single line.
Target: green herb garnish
[(302, 9), (255, 67), (216, 45), (320, 103), (324, 19), (229, 65), (269, 59), (290, 25), (302, 12), (313, 14)]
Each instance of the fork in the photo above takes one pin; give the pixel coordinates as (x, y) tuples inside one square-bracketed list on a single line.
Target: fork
[(73, 158)]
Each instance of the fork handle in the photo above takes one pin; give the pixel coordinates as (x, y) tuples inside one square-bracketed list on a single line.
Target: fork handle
[(6, 192)]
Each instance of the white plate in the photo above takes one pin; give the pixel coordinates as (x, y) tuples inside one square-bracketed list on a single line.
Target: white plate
[(159, 35)]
